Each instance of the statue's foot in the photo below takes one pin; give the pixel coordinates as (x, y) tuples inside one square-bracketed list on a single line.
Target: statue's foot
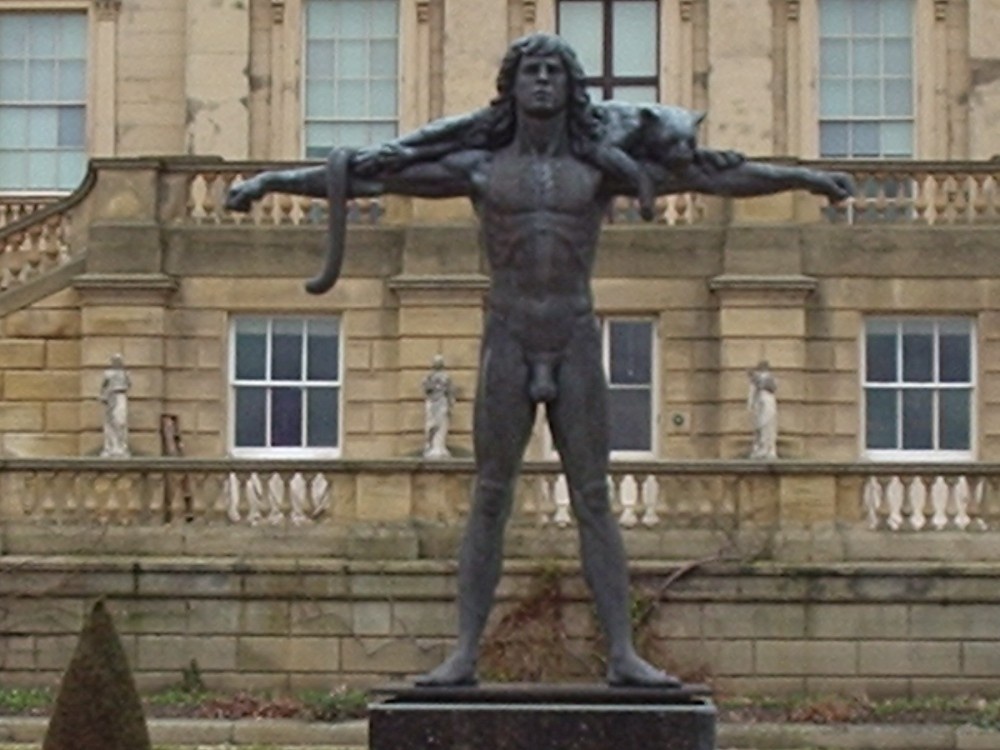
[(458, 669), (632, 671)]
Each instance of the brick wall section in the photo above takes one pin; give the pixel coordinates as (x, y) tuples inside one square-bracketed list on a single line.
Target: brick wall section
[(887, 630)]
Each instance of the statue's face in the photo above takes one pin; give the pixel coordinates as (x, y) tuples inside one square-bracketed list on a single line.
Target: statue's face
[(541, 85)]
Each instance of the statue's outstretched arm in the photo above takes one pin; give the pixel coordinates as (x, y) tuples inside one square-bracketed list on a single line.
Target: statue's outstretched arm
[(720, 173), (451, 176)]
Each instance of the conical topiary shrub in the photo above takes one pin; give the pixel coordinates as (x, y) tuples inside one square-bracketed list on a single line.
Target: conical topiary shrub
[(98, 707)]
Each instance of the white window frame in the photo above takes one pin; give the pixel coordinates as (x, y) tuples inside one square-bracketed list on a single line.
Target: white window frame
[(304, 120), (86, 103), (282, 452), (901, 454)]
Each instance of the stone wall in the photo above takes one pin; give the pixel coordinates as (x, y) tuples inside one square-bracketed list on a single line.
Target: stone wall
[(722, 298), (315, 622)]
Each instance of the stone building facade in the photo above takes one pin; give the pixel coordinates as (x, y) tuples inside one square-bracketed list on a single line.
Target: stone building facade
[(143, 261)]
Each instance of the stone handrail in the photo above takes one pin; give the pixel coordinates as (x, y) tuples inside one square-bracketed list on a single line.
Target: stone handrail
[(17, 206), (922, 192), (207, 185), (39, 241), (714, 495)]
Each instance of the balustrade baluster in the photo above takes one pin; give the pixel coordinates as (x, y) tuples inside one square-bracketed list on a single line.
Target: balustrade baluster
[(562, 517), (961, 497), (276, 488), (298, 491), (893, 493), (871, 501), (650, 501), (627, 490), (912, 508), (978, 487), (937, 492)]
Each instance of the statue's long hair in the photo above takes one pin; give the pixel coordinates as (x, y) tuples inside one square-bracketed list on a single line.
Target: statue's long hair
[(496, 129)]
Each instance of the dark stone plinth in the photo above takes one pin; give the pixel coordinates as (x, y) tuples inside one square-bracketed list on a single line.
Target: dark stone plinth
[(542, 717)]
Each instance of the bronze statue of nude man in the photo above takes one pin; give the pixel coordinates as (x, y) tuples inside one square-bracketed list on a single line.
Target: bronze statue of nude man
[(540, 198)]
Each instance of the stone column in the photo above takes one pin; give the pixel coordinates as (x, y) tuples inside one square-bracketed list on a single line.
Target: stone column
[(984, 95), (217, 86), (104, 78), (740, 48)]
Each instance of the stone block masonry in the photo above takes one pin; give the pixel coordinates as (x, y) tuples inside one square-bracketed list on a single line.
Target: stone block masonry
[(285, 623)]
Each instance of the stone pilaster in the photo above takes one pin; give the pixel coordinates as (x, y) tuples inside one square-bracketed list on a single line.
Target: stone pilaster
[(125, 314), (762, 317)]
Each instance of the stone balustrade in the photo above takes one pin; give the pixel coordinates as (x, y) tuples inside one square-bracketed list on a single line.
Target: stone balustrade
[(17, 206), (712, 495)]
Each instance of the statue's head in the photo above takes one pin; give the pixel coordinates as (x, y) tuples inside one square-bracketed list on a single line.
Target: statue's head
[(580, 120)]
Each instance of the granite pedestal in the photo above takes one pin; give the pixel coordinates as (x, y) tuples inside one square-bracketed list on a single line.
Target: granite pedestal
[(541, 717)]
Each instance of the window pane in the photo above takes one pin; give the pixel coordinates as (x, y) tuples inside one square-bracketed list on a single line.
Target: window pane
[(955, 357), (251, 349), (865, 57), (321, 18), (14, 126), (833, 139), (72, 81), (319, 99), (250, 417), (70, 127), (833, 57), (880, 357), (353, 23), (866, 97), (834, 17), (350, 134), (865, 139), (897, 57), (580, 24), (835, 98), (897, 139), (918, 352), (383, 98), (352, 99), (43, 35), (324, 348), (880, 418), (864, 17), (954, 414), (13, 169), (630, 352), (286, 350), (635, 94), (321, 58), (897, 17), (384, 18), (13, 35), (43, 169), (352, 59), (286, 417), (918, 432), (631, 419), (73, 36), (634, 31), (323, 418), (12, 79), (72, 167), (899, 97), (43, 127), (383, 59), (41, 81)]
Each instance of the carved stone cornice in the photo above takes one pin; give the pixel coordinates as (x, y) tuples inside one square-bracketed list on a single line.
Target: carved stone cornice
[(530, 11), (107, 10), (686, 8), (793, 8), (423, 11), (940, 10), (278, 11)]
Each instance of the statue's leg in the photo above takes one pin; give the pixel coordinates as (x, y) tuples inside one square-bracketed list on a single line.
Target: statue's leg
[(578, 419), (503, 420)]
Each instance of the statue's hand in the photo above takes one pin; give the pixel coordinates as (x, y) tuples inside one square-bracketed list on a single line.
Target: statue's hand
[(718, 161), (242, 195), (836, 186), (374, 160)]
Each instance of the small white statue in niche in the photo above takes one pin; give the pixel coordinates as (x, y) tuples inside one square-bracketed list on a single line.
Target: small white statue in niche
[(439, 398), (114, 396), (763, 406)]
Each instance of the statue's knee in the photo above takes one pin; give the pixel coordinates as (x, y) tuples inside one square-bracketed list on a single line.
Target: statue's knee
[(493, 499), (593, 499)]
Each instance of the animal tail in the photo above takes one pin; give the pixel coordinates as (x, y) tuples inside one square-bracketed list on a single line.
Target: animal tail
[(338, 165)]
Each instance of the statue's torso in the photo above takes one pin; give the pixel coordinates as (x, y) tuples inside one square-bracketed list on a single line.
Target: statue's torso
[(540, 219)]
